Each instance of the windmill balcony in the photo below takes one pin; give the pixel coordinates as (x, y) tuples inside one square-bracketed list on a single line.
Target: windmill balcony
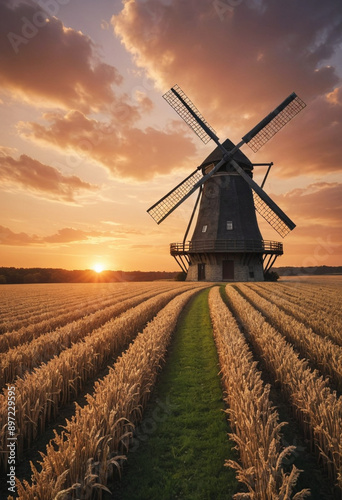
[(235, 246)]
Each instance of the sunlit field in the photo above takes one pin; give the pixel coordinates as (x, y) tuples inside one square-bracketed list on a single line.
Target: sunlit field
[(333, 280), (94, 354)]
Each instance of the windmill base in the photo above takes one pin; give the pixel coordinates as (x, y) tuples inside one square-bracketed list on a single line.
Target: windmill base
[(226, 267)]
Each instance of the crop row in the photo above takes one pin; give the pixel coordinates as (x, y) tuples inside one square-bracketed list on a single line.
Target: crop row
[(81, 459), (323, 353), (27, 356), (71, 313), (53, 311), (41, 392), (60, 300), (24, 303), (325, 324), (318, 409), (312, 297), (253, 418)]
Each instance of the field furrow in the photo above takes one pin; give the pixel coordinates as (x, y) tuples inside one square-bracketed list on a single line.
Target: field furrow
[(41, 392), (25, 357), (101, 346), (21, 302), (312, 297), (94, 440), (311, 316), (254, 420), (321, 352), (44, 313), (318, 409), (71, 313)]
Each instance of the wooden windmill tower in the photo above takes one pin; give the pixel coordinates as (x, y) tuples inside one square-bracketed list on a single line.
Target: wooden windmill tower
[(226, 244)]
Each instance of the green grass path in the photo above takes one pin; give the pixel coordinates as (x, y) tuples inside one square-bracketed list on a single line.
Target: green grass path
[(182, 443)]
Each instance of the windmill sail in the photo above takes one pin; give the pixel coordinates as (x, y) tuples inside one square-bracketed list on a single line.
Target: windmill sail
[(273, 122), (181, 103), (271, 216), (266, 206), (160, 210)]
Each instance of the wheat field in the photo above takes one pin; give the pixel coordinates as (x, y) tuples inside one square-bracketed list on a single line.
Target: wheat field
[(58, 340)]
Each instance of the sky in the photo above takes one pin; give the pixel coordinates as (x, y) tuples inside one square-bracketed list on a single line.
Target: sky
[(88, 144)]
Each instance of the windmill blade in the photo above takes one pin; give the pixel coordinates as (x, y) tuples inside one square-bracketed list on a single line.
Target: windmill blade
[(265, 206), (186, 109), (270, 215), (160, 210), (273, 122)]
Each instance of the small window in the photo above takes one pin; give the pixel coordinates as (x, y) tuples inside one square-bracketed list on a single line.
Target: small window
[(204, 229), (229, 225)]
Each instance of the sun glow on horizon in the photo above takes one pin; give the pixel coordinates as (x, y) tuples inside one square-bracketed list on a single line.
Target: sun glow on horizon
[(98, 268)]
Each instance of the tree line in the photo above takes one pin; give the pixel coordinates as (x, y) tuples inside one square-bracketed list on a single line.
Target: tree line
[(13, 275)]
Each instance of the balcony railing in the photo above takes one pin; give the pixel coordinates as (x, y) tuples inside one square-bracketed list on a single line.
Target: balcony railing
[(260, 246)]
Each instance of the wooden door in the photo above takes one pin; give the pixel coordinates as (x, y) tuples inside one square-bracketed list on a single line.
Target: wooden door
[(227, 269), (201, 272)]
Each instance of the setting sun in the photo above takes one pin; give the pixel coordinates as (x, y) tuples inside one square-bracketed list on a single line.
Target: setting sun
[(98, 268)]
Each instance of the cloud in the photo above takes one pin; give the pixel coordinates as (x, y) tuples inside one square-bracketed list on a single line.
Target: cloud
[(315, 147), (66, 236), (238, 63), (41, 179), (70, 235), (316, 211), (43, 61), (8, 237), (126, 151), (318, 203), (271, 44), (63, 236)]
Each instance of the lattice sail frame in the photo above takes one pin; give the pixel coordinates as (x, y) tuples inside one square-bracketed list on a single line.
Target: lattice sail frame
[(160, 210), (270, 216), (184, 113), (277, 123)]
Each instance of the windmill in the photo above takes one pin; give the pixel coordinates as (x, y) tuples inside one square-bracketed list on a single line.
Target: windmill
[(226, 244)]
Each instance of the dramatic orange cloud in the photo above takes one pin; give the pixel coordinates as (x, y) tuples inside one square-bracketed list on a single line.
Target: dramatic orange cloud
[(315, 146), (46, 181), (42, 59), (240, 60), (317, 205), (125, 151), (317, 212), (63, 236), (285, 50)]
